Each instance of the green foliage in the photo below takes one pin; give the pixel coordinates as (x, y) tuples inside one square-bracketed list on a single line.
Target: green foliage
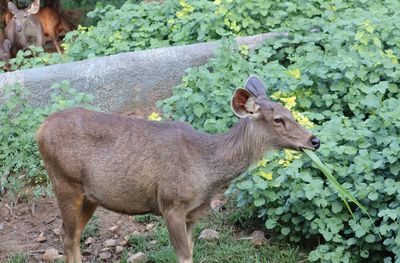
[(91, 229), (31, 58), (342, 67), (17, 257), (229, 248), (19, 121)]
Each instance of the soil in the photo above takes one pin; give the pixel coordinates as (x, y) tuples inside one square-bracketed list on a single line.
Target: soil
[(21, 226)]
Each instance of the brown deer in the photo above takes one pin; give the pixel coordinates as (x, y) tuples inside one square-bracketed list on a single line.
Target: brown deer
[(5, 48), (135, 166), (24, 29), (53, 24)]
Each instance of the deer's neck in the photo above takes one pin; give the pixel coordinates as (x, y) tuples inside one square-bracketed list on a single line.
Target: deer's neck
[(232, 153)]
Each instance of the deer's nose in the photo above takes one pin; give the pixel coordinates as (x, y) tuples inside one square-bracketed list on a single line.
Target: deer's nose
[(315, 142), (19, 28)]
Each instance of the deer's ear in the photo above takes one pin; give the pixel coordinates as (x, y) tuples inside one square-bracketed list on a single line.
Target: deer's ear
[(12, 7), (255, 86), (244, 104), (33, 8)]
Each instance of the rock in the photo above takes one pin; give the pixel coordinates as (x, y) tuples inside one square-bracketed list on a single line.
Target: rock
[(209, 234), (123, 243), (149, 226), (137, 258), (105, 249), (258, 238), (115, 236), (105, 255), (89, 241), (86, 252), (57, 231), (113, 228), (118, 249), (110, 243), (51, 255), (41, 238), (153, 242), (1, 226), (119, 222)]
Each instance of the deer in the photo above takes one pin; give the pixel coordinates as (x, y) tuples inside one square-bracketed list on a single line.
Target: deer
[(53, 24), (5, 48), (135, 166), (24, 28)]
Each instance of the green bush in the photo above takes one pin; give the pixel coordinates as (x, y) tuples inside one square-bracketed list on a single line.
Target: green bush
[(341, 70), (19, 121)]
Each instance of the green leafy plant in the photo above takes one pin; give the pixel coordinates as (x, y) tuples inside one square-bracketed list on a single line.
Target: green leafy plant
[(19, 121), (340, 69)]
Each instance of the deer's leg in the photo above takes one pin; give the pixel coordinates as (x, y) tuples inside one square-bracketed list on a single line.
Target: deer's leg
[(176, 224), (76, 211), (189, 229), (55, 43)]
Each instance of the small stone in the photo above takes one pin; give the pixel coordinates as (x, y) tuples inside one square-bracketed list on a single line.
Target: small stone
[(149, 226), (1, 226), (258, 238), (209, 234), (118, 249), (105, 255), (89, 241), (41, 238), (105, 249), (153, 242), (113, 228), (86, 252), (50, 255), (119, 222), (123, 243), (110, 243), (137, 258), (57, 231), (115, 236)]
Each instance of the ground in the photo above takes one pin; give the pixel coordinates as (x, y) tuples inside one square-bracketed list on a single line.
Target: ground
[(24, 223)]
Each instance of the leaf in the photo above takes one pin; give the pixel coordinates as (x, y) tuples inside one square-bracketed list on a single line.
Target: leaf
[(198, 110)]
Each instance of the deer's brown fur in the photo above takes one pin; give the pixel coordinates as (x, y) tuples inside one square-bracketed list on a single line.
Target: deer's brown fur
[(135, 166)]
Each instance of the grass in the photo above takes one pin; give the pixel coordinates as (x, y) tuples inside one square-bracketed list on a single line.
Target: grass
[(91, 229), (18, 257), (229, 248)]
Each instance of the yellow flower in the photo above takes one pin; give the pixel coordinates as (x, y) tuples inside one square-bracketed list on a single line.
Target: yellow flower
[(217, 2), (154, 116), (289, 102), (295, 73), (262, 163), (265, 175), (303, 120)]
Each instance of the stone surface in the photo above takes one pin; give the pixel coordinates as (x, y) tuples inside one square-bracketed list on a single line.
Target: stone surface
[(149, 226), (57, 231), (89, 241), (125, 82), (209, 234), (41, 238), (258, 238), (110, 243), (137, 258), (113, 228), (51, 255), (105, 255), (118, 249)]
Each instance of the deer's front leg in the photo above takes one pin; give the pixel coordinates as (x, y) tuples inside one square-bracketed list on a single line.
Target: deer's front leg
[(176, 224)]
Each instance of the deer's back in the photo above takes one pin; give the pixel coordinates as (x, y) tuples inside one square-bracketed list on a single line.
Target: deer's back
[(113, 156)]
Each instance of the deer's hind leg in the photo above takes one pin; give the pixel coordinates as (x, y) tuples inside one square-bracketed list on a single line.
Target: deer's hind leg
[(76, 211)]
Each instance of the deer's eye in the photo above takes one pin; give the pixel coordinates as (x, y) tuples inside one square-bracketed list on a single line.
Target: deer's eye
[(278, 121), (25, 16)]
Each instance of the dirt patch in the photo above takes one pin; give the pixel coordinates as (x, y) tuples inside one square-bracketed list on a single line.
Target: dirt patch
[(20, 228)]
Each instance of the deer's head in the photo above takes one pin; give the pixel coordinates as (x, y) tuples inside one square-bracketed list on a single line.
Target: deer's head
[(271, 119), (20, 17)]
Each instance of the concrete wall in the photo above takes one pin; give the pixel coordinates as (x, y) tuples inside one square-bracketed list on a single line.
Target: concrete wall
[(124, 82)]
